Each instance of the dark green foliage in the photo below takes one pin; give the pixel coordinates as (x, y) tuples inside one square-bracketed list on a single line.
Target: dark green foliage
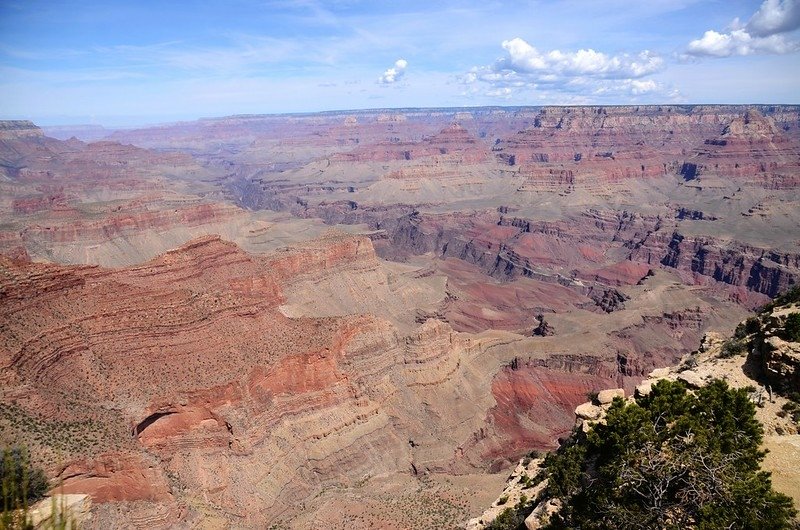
[(512, 518), (748, 327), (529, 482), (732, 348), (564, 469), (672, 460), (791, 328), (792, 409), (789, 297), (22, 484)]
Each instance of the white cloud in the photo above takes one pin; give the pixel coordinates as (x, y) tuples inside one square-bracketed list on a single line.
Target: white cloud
[(763, 33), (638, 87), (739, 42), (394, 74), (526, 71), (522, 57), (469, 78), (774, 16), (504, 93)]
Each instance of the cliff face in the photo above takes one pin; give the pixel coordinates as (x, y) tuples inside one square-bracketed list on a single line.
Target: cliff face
[(212, 390), (751, 149), (607, 247), (17, 129), (572, 148), (763, 356), (368, 308)]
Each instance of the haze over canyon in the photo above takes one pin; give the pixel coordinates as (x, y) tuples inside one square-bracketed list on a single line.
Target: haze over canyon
[(363, 319)]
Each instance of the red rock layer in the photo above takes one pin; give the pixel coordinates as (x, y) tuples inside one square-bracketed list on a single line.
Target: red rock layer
[(536, 403), (592, 146), (751, 149), (118, 224), (220, 391)]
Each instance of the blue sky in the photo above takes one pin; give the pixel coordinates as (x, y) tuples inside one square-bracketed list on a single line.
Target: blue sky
[(124, 63)]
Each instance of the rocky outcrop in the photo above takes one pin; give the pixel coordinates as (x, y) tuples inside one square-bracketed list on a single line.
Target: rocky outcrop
[(771, 360), (221, 394), (543, 329), (758, 269), (18, 129), (115, 477), (524, 485), (750, 149)]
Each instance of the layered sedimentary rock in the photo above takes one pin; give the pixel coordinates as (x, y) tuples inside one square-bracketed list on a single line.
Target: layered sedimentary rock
[(592, 146), (751, 149), (506, 263), (190, 354)]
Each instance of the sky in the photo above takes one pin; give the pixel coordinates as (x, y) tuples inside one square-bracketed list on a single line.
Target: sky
[(119, 63)]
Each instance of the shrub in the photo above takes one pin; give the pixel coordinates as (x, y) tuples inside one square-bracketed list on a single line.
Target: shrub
[(512, 518), (791, 328), (790, 408), (671, 460), (789, 297), (748, 327), (732, 348), (22, 484)]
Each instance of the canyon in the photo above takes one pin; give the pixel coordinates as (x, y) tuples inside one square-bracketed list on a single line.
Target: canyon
[(363, 319)]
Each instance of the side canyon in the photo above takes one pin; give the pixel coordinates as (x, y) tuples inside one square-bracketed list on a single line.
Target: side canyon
[(363, 319)]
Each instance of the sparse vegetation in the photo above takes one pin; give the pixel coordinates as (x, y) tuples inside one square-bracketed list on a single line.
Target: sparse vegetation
[(512, 518), (791, 409), (791, 328), (733, 347), (789, 297), (673, 459), (57, 437), (22, 485), (748, 327)]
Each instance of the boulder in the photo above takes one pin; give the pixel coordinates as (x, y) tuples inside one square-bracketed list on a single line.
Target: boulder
[(644, 388), (660, 372), (540, 516), (691, 378), (588, 411), (605, 397)]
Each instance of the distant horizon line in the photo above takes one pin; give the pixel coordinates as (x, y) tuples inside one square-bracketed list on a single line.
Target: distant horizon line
[(375, 110)]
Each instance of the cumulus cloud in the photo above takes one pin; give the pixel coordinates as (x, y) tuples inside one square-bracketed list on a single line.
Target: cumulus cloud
[(775, 16), (739, 42), (504, 93), (638, 86), (764, 33), (583, 73), (394, 74), (522, 57)]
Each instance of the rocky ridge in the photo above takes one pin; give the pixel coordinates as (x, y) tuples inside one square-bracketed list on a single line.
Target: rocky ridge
[(128, 346), (760, 356)]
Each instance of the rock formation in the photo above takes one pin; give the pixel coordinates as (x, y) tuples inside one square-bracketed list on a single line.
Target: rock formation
[(335, 319), (770, 371)]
